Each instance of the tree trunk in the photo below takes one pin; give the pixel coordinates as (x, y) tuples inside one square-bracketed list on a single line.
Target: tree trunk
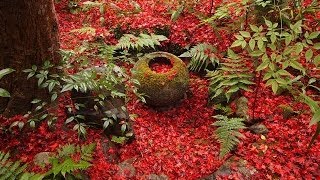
[(28, 36)]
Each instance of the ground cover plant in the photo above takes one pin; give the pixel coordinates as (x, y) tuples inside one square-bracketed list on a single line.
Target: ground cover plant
[(251, 109)]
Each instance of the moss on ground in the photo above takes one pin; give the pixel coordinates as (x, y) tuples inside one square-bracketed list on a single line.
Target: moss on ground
[(162, 89)]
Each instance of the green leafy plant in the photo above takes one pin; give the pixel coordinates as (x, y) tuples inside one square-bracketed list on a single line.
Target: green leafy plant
[(3, 72), (98, 83), (286, 48), (201, 56), (232, 76), (315, 120), (228, 133), (69, 160), (130, 41), (14, 169)]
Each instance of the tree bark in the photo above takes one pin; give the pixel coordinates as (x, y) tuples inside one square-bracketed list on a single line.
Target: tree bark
[(28, 36)]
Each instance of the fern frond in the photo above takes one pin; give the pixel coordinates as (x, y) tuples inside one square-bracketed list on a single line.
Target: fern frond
[(14, 170), (9, 169), (201, 56), (228, 133), (31, 176), (68, 166), (86, 151), (106, 52), (66, 150), (130, 41), (231, 76), (63, 164)]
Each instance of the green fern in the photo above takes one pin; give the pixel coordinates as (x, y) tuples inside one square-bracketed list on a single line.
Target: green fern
[(15, 170), (64, 165), (232, 76), (31, 176), (66, 150), (67, 166), (9, 169), (130, 41), (86, 151), (201, 56), (228, 133)]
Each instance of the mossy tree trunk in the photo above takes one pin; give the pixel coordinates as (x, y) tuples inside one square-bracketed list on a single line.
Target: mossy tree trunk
[(28, 36)]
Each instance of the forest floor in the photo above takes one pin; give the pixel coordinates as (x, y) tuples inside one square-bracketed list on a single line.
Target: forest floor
[(179, 143)]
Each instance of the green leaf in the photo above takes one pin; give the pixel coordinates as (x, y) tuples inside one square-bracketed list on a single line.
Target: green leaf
[(32, 124), (315, 118), (245, 81), (245, 34), (316, 46), (83, 130), (233, 89), (274, 86), (4, 93), (123, 128), (67, 87), (267, 76), (268, 23), (118, 139), (273, 38), (260, 44), (314, 35), (106, 124), (309, 54), (239, 37), (186, 54), (5, 71), (243, 44), (51, 86), (35, 101), (256, 53), (54, 97), (299, 47), (297, 26), (70, 119), (283, 72), (282, 81), (227, 132), (237, 43), (43, 116), (288, 40), (252, 44), (262, 66), (297, 65), (254, 28)]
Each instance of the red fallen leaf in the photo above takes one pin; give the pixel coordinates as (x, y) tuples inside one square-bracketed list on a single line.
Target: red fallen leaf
[(160, 67), (54, 145)]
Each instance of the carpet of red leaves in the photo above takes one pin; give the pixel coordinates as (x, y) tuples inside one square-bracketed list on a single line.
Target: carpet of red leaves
[(178, 142)]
